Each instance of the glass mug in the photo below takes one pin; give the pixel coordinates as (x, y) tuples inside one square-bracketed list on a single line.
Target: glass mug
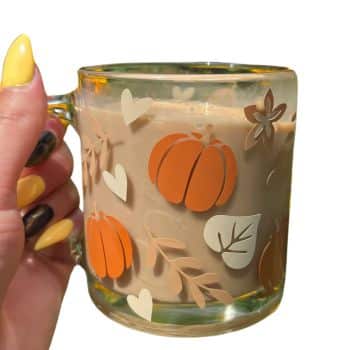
[(186, 176)]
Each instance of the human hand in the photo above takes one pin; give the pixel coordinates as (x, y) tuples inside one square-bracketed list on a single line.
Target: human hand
[(37, 199)]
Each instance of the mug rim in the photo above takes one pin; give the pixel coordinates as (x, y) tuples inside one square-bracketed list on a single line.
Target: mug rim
[(187, 71)]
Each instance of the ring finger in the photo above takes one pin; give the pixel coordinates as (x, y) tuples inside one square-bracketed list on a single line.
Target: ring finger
[(51, 209)]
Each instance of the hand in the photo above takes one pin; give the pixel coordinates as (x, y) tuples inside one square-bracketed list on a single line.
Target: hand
[(38, 207)]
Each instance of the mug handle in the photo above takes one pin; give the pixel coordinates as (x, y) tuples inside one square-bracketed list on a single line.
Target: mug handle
[(62, 107)]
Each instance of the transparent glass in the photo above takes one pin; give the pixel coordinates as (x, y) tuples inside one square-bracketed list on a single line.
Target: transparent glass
[(187, 174)]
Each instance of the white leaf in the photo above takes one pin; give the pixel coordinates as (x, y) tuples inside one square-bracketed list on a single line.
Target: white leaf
[(234, 237), (131, 110), (118, 183)]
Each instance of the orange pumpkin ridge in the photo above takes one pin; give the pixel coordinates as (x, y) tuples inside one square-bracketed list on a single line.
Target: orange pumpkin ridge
[(125, 240), (176, 168), (94, 246), (113, 249), (207, 179), (158, 153), (230, 175)]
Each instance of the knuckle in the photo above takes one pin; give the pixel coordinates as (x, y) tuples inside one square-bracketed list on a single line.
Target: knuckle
[(7, 197), (65, 159), (74, 193), (11, 118), (11, 226)]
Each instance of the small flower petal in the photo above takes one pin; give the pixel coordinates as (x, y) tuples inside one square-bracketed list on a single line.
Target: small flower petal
[(268, 102), (250, 112), (250, 140), (259, 116), (258, 130), (277, 112)]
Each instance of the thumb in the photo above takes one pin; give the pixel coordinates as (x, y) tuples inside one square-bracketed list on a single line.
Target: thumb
[(23, 110)]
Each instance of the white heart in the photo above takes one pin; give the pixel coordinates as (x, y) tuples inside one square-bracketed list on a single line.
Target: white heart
[(131, 109), (141, 305), (183, 94), (118, 183)]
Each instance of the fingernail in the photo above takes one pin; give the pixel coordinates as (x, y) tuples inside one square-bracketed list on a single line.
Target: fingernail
[(36, 219), (54, 234), (42, 150), (29, 188), (18, 67)]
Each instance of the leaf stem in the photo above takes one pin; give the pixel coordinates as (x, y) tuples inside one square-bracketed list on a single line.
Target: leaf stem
[(171, 263)]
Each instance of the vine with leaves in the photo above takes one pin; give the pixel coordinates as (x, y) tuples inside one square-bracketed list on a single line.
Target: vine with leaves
[(96, 154), (185, 270)]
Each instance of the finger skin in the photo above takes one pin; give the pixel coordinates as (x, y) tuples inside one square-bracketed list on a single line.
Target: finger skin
[(21, 122), (11, 246)]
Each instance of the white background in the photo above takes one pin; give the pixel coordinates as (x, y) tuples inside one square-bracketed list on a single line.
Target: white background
[(311, 37)]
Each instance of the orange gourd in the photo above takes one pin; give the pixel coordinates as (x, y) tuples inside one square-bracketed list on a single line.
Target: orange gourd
[(187, 169), (108, 245)]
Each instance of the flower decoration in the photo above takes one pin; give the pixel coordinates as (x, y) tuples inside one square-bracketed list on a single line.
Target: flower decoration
[(263, 118)]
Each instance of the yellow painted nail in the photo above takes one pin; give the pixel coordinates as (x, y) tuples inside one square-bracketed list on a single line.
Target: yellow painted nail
[(18, 68), (29, 188), (54, 234)]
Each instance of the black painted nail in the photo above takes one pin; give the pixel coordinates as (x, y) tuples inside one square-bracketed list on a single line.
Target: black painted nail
[(36, 219), (42, 150)]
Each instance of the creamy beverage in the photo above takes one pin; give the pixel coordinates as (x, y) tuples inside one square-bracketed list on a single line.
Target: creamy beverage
[(258, 197)]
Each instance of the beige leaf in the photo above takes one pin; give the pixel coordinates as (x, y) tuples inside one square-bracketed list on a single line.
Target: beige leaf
[(104, 155), (174, 280), (170, 243), (221, 295), (87, 144), (151, 258), (93, 166), (206, 278), (98, 128), (196, 294), (187, 263), (85, 174)]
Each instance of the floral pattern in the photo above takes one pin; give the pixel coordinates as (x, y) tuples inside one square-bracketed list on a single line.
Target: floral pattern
[(263, 118)]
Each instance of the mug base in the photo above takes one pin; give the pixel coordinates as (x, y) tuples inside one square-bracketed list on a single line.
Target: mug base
[(186, 320)]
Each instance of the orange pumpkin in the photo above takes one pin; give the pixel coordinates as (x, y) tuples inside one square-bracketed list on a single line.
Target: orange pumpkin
[(108, 244), (185, 168)]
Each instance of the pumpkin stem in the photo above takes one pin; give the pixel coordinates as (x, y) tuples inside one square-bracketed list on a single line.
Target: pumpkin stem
[(95, 211), (208, 134)]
